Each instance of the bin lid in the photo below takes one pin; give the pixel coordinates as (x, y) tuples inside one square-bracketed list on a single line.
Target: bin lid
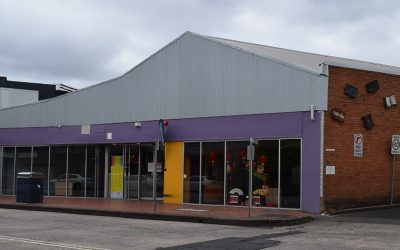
[(29, 175)]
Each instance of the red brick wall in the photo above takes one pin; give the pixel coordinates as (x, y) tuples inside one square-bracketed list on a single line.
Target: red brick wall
[(360, 181)]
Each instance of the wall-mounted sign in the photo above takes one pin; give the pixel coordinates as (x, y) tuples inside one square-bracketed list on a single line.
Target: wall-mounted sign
[(368, 122), (358, 145), (330, 170), (109, 136), (395, 144), (351, 90), (372, 87), (337, 114), (116, 176), (389, 101), (150, 167)]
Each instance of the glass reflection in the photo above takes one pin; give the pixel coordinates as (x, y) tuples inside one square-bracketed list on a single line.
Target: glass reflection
[(8, 171), (191, 177), (40, 164), (212, 173), (132, 171), (95, 171), (290, 173), (23, 160), (76, 171), (58, 168)]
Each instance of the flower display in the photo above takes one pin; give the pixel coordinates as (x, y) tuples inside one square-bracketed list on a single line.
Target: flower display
[(260, 192)]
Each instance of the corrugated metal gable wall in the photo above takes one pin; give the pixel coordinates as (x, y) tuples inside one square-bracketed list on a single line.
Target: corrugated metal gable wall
[(192, 77)]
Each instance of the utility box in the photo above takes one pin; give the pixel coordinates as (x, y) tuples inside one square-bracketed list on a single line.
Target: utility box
[(29, 187)]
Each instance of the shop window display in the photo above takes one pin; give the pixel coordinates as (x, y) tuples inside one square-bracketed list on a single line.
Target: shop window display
[(269, 170), (237, 174), (265, 174)]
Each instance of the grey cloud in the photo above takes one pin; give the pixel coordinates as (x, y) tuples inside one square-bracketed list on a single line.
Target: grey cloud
[(85, 42)]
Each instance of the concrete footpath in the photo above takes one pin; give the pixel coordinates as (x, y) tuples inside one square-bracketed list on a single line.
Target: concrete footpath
[(224, 215)]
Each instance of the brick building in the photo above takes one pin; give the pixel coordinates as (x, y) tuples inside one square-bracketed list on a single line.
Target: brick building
[(323, 135), (364, 180)]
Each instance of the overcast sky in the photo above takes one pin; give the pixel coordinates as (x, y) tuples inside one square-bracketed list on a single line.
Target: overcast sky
[(84, 42)]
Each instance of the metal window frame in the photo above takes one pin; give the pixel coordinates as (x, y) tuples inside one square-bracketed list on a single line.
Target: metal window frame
[(301, 172), (183, 170), (31, 158), (106, 189), (1, 170), (139, 172), (15, 163), (200, 172), (66, 173), (48, 172), (126, 173), (225, 182), (128, 149), (48, 164), (279, 173), (84, 194), (123, 172), (96, 166)]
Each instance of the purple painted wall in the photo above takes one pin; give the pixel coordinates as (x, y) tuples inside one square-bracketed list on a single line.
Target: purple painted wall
[(279, 125), (311, 163)]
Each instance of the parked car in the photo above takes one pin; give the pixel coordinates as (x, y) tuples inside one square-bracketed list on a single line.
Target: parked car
[(76, 184), (212, 190)]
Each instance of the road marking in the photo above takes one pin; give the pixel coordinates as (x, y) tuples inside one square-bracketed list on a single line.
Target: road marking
[(47, 243), (193, 210)]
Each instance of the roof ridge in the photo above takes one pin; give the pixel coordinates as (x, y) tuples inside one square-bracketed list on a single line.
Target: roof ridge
[(267, 57), (305, 52)]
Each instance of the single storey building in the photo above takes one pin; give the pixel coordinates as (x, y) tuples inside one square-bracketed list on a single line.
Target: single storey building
[(323, 124)]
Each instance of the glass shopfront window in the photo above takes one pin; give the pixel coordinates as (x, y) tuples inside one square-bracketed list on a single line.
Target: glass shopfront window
[(212, 173), (23, 161), (237, 173), (8, 170), (76, 171), (132, 171), (116, 171), (290, 173), (95, 171), (58, 167), (191, 176), (266, 173), (40, 164), (276, 173)]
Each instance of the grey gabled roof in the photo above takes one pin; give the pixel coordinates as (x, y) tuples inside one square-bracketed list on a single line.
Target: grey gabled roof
[(309, 61), (193, 76)]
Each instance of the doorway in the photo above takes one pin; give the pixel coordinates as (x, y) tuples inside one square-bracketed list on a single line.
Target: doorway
[(130, 172)]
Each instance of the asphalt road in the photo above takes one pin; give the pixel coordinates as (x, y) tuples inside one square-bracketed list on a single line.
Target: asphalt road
[(46, 230)]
